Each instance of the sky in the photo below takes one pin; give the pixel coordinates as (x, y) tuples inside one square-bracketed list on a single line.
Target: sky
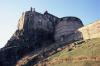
[(11, 10)]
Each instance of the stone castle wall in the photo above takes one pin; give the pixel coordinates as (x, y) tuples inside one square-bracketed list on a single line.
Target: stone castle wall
[(36, 31), (66, 26), (87, 32), (60, 28), (91, 31), (21, 22), (51, 27), (34, 20)]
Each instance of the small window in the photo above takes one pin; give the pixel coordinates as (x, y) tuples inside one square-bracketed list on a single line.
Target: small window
[(62, 38), (48, 25), (31, 15), (40, 22), (61, 19)]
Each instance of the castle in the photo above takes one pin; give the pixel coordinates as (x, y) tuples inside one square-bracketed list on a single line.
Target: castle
[(38, 31), (49, 26)]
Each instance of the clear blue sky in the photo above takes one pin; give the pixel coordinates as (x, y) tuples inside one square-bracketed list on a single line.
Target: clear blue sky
[(10, 11)]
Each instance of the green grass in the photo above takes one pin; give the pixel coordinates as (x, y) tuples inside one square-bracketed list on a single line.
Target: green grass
[(86, 63), (87, 48)]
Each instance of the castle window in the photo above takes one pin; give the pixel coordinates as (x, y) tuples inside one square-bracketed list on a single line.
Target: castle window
[(48, 25), (61, 19), (62, 38), (40, 22), (31, 15)]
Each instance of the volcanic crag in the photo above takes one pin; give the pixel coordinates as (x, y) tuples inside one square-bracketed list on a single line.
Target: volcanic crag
[(36, 31)]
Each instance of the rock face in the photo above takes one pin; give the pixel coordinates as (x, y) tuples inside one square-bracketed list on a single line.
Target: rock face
[(35, 31)]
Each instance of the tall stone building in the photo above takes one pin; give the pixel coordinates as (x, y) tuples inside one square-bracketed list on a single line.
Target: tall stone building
[(34, 28)]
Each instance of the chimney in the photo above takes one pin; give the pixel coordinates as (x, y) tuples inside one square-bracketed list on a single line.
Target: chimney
[(32, 9)]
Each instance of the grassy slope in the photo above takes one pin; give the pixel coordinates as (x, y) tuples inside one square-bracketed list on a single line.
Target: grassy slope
[(88, 48)]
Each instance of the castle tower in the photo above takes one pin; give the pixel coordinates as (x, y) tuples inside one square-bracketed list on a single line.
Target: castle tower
[(33, 20), (65, 27), (35, 27)]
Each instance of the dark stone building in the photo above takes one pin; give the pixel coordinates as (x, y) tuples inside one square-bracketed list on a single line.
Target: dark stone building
[(35, 31)]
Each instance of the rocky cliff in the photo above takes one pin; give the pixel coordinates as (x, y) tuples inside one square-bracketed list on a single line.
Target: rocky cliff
[(36, 31)]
